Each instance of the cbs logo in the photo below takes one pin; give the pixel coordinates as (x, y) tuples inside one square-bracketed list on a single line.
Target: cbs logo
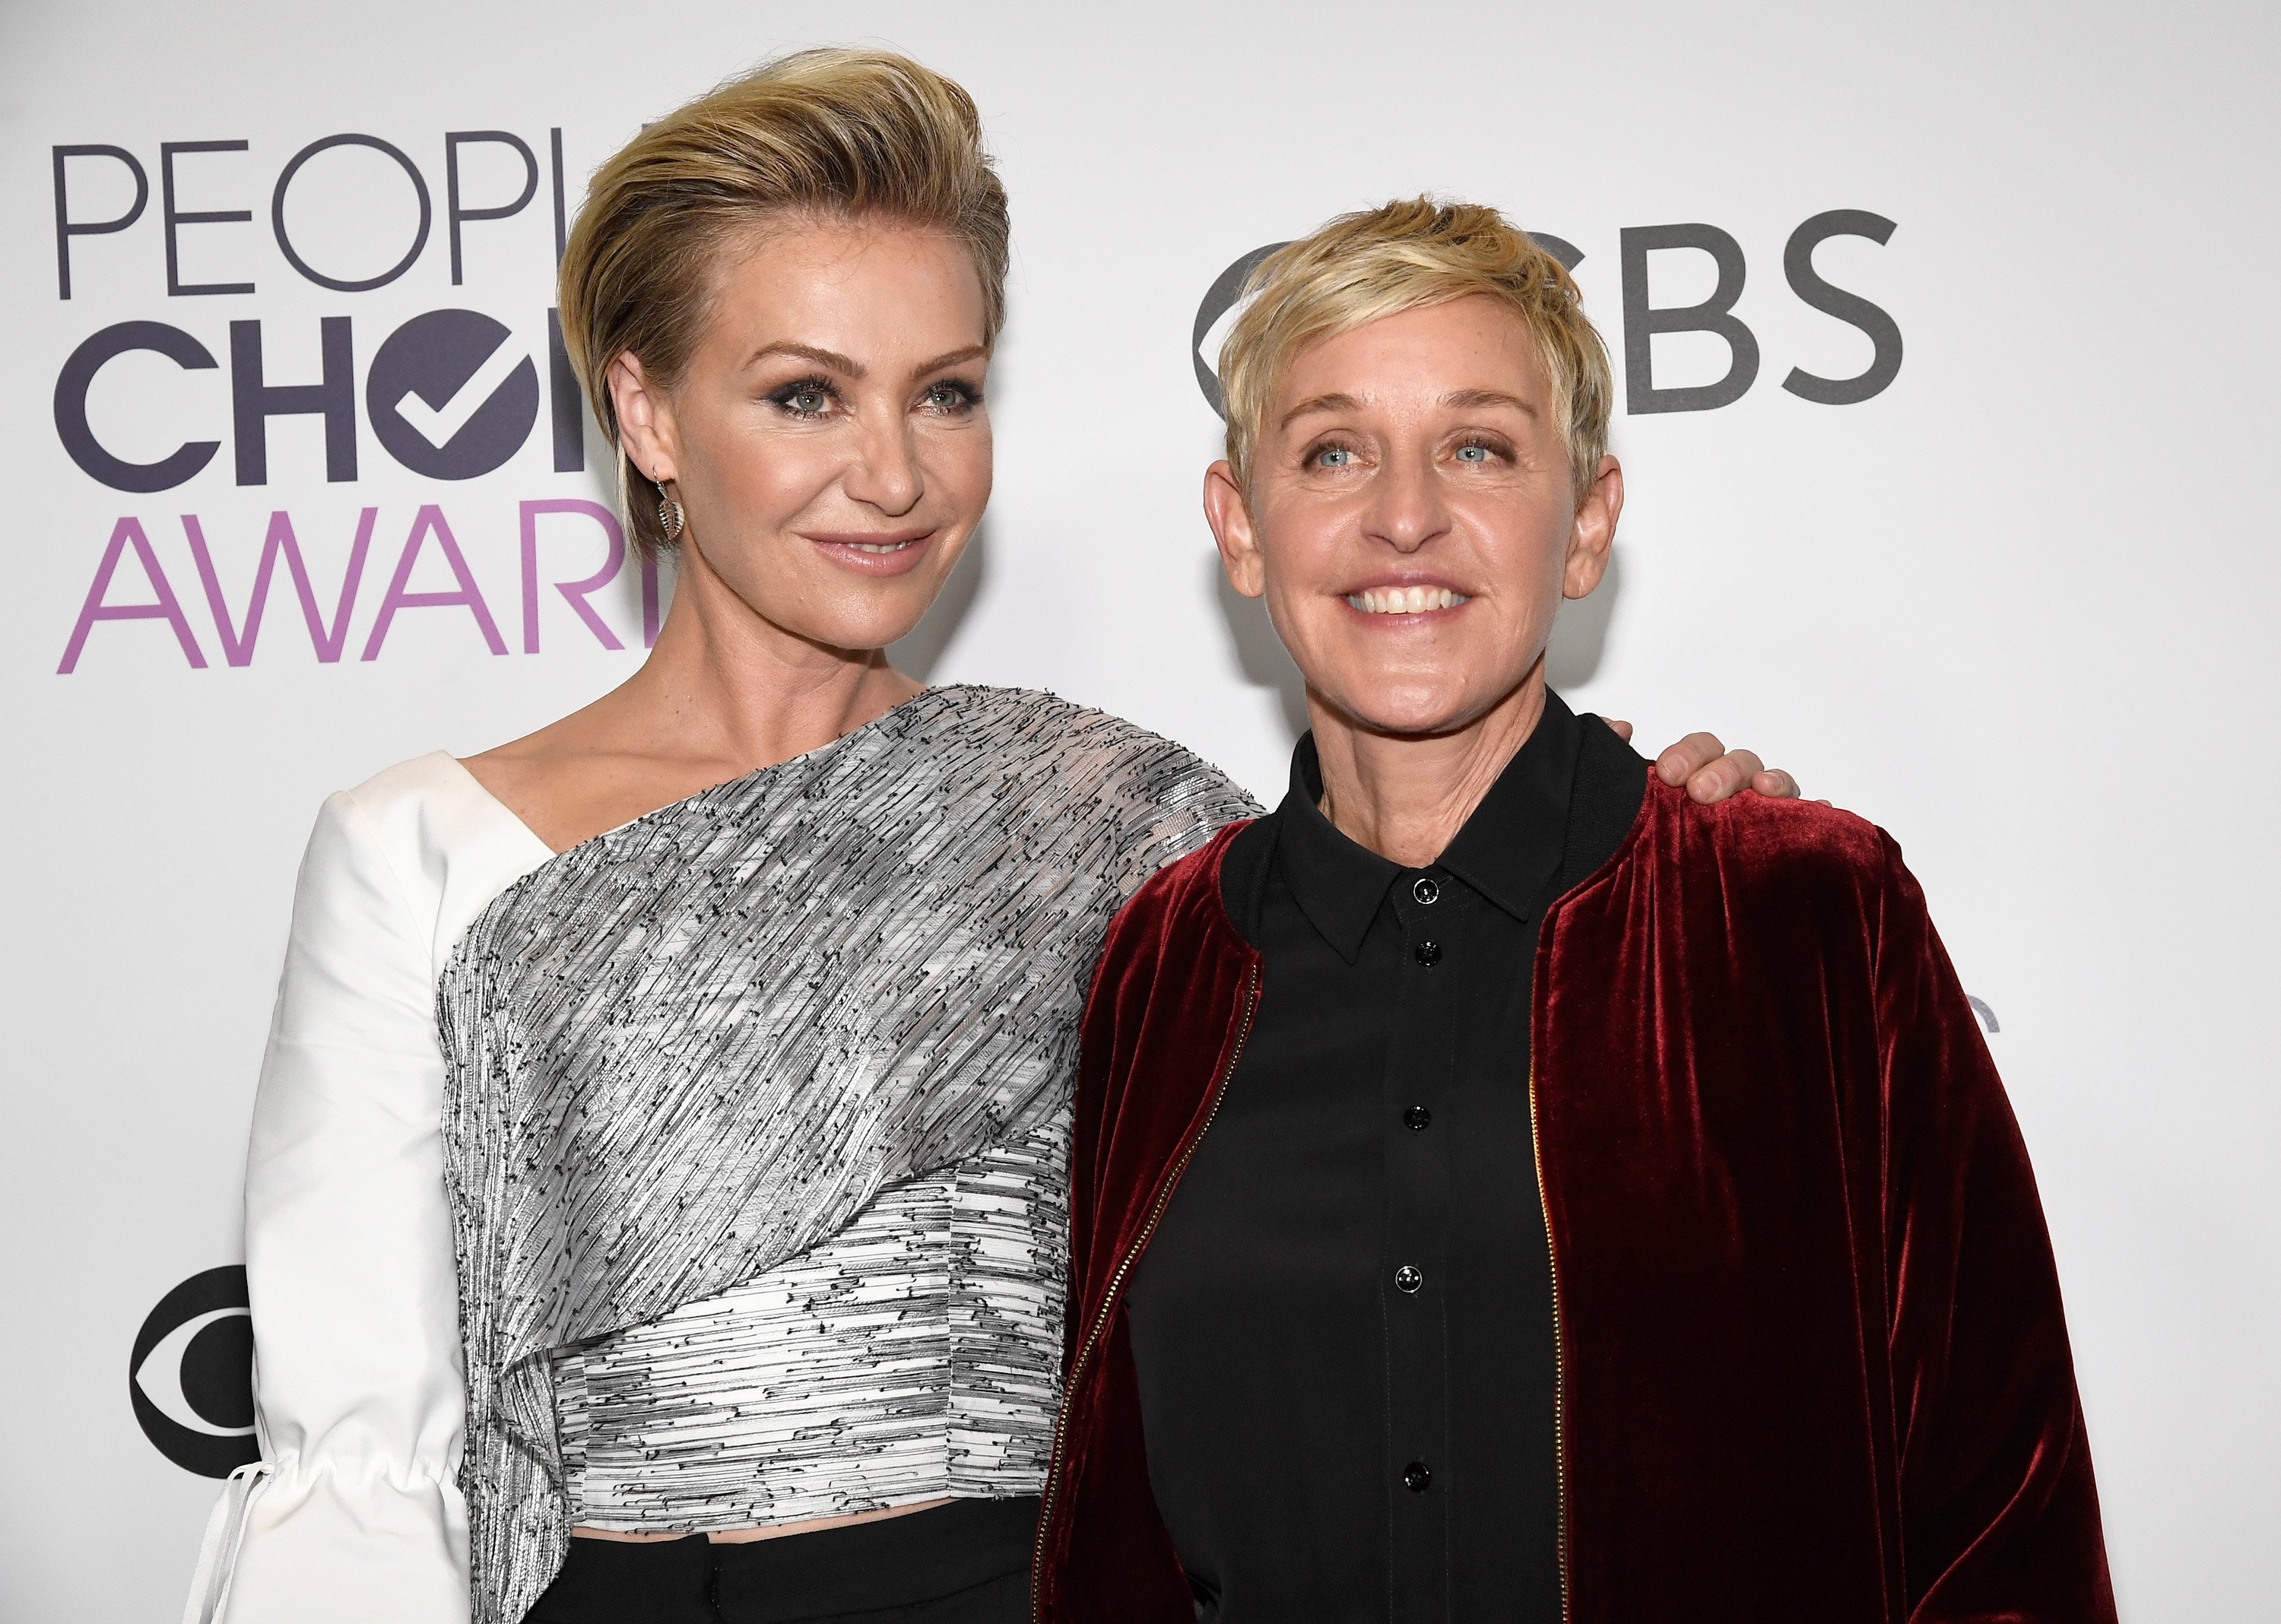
[(190, 1375), (1642, 320)]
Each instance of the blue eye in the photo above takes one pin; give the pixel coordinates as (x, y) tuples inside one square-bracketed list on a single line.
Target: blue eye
[(1472, 453), (809, 397), (1335, 457)]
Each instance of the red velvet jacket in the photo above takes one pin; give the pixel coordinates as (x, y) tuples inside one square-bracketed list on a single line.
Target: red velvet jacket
[(1812, 1361)]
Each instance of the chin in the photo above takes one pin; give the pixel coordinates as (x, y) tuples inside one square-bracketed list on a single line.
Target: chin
[(871, 616), (1409, 713), (867, 633)]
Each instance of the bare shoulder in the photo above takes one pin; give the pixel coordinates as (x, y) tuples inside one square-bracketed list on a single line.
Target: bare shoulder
[(536, 757), (648, 745), (581, 776), (529, 777)]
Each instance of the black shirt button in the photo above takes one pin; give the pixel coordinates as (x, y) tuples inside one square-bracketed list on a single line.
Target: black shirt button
[(1430, 954), (1426, 890), (1416, 1118), (1415, 1477), (1408, 1278)]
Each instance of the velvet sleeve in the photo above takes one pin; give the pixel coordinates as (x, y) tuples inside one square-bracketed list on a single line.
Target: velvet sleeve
[(1161, 1027), (2000, 1512)]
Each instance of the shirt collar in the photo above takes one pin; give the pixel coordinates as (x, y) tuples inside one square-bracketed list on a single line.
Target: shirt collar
[(1511, 847), (1337, 883), (1508, 851)]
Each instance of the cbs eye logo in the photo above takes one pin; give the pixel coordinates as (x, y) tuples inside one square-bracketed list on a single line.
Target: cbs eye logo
[(190, 1376), (1217, 313)]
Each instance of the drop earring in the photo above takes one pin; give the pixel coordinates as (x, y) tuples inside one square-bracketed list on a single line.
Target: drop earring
[(670, 517)]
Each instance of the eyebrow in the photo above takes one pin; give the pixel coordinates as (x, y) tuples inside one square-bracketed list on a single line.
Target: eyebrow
[(832, 359), (971, 353), (1489, 398), (1318, 403), (1460, 398), (851, 368)]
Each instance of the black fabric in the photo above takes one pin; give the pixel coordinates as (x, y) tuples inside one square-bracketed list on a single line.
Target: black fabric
[(964, 1563), (1327, 1435)]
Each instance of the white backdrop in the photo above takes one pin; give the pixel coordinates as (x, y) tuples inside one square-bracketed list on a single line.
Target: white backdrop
[(2016, 605)]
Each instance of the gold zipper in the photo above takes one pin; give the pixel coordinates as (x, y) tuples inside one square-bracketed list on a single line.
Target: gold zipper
[(1559, 1356), (1124, 1265)]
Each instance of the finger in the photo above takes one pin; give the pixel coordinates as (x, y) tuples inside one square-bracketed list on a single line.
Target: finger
[(1621, 729), (1725, 776), (1688, 757), (1775, 784)]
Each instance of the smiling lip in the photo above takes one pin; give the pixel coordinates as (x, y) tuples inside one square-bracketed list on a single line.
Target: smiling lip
[(875, 552), (1405, 600)]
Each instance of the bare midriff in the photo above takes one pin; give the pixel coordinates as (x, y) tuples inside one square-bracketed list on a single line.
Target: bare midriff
[(774, 1530)]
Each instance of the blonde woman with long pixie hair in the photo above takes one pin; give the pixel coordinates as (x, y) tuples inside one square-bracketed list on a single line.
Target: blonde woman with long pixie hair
[(655, 1208)]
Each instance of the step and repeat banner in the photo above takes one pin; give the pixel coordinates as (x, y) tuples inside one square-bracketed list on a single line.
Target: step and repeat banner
[(1947, 357)]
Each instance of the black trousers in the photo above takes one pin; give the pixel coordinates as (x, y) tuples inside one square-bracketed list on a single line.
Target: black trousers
[(964, 1563)]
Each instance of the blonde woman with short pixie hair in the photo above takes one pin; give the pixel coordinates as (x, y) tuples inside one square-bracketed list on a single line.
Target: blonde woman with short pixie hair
[(655, 1208), (1404, 255), (1506, 1187)]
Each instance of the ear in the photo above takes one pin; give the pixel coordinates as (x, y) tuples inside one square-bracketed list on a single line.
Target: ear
[(645, 425), (1593, 531), (1229, 518)]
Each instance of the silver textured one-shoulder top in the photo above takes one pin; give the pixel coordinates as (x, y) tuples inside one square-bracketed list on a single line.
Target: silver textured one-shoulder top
[(755, 1126)]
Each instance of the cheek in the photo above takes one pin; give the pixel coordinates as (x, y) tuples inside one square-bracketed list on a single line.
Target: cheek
[(1304, 611), (956, 457), (738, 458), (1303, 553), (771, 477), (963, 462), (1525, 546)]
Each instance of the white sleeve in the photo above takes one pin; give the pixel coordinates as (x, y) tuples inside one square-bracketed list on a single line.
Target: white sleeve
[(353, 1513)]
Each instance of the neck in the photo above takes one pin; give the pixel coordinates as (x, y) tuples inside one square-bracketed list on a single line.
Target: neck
[(725, 684), (1405, 796)]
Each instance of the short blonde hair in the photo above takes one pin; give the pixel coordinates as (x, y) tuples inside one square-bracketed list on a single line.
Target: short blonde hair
[(1403, 256), (850, 133)]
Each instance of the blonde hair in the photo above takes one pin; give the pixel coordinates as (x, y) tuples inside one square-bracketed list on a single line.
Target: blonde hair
[(1403, 256), (845, 133)]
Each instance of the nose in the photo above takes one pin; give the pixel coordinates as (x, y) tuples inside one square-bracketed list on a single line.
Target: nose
[(1406, 507), (885, 473)]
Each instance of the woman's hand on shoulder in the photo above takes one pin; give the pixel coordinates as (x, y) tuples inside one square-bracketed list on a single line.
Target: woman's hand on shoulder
[(1711, 772)]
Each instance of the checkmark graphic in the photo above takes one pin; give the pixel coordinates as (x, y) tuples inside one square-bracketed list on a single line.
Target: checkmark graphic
[(487, 374), (439, 426)]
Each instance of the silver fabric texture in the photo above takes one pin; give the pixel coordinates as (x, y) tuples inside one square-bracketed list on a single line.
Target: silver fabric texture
[(914, 1356), (695, 1048)]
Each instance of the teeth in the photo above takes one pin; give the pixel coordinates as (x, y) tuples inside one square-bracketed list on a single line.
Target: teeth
[(1405, 600), (891, 547)]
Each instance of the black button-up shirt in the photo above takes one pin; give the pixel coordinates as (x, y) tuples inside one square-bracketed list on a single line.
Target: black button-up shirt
[(1343, 1325)]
